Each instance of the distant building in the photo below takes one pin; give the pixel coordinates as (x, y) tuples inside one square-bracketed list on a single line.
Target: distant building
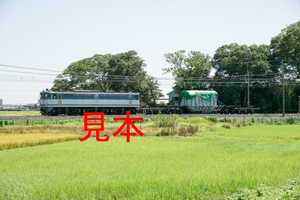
[(173, 98), (1, 102)]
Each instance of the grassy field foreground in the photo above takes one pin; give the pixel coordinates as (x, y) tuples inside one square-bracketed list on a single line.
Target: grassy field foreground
[(210, 165)]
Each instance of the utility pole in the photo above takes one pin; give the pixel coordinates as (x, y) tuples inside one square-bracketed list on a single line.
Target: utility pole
[(283, 101), (248, 88)]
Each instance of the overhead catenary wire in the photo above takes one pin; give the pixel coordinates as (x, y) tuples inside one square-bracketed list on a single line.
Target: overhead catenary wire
[(235, 79)]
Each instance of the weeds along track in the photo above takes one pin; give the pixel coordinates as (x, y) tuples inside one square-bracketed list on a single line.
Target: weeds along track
[(230, 116)]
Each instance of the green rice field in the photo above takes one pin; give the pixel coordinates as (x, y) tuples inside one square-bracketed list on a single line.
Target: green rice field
[(208, 165), (20, 113)]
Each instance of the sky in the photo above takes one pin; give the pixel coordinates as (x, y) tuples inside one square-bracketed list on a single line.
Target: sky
[(50, 35)]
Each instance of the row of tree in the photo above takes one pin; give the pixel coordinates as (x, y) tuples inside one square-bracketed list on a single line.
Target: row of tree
[(236, 67), (123, 72)]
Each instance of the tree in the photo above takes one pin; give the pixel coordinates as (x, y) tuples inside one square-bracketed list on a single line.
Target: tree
[(285, 50), (286, 47), (119, 72), (234, 62), (85, 74), (186, 67), (150, 90)]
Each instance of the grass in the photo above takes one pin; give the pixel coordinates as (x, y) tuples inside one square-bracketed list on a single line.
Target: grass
[(209, 165), (265, 133), (20, 113), (223, 158), (10, 141)]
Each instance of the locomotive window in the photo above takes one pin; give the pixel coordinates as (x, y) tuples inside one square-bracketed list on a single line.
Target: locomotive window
[(51, 96), (136, 97), (46, 95)]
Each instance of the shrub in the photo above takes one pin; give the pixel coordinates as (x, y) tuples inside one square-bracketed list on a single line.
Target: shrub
[(167, 132), (291, 191), (226, 126), (240, 123), (278, 122), (291, 120), (225, 120), (166, 120), (188, 131), (212, 119)]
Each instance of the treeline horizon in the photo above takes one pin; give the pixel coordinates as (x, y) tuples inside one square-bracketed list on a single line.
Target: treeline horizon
[(236, 66)]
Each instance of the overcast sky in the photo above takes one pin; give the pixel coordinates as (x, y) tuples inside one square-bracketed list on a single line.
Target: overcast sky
[(53, 34)]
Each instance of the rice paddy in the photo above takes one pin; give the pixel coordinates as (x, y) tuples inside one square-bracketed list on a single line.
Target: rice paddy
[(212, 164)]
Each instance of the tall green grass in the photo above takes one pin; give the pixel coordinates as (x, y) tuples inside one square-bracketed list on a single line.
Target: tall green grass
[(210, 166)]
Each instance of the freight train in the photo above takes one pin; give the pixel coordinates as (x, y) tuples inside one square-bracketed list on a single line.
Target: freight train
[(79, 101)]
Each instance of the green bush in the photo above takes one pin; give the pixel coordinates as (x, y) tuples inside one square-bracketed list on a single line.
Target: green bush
[(226, 126), (166, 120), (292, 191), (253, 120), (291, 120), (225, 120), (212, 119)]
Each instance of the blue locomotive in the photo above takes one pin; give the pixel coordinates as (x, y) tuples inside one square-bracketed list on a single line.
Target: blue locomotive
[(79, 101)]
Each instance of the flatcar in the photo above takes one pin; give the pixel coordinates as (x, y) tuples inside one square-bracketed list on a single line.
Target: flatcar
[(200, 101), (205, 101), (79, 101)]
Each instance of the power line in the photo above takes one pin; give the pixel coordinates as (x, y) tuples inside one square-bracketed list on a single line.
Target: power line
[(12, 66), (28, 72)]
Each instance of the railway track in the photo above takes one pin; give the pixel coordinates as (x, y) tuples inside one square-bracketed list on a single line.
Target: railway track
[(231, 116)]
